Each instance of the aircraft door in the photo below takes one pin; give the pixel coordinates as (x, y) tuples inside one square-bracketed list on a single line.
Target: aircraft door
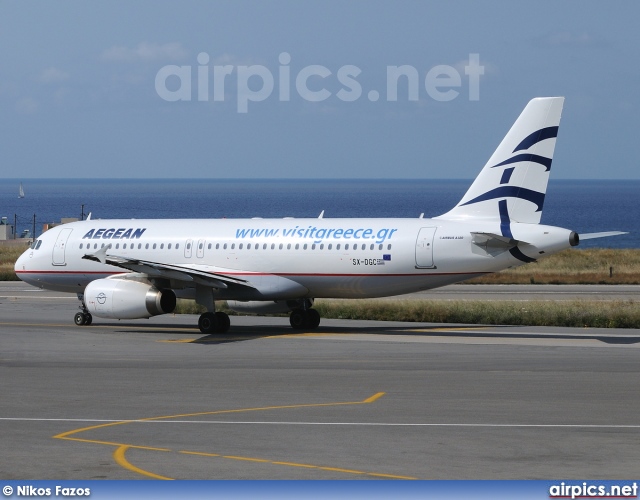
[(58, 257), (424, 247), (188, 249)]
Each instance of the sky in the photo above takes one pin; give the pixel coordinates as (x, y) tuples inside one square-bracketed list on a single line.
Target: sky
[(290, 89)]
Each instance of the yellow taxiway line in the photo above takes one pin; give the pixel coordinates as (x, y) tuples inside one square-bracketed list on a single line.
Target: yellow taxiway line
[(121, 448)]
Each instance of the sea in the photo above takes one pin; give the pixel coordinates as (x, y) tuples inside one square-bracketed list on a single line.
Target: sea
[(585, 206)]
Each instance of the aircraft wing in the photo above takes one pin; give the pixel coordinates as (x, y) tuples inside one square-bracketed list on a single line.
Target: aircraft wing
[(590, 236), (167, 271)]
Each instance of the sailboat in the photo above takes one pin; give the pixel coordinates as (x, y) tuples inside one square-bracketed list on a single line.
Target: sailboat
[(21, 191)]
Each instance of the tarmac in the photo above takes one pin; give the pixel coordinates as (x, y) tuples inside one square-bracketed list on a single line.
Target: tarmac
[(351, 400)]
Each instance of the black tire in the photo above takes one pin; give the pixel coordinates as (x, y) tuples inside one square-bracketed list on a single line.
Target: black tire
[(223, 322), (208, 323), (88, 319), (299, 319), (79, 319), (313, 318)]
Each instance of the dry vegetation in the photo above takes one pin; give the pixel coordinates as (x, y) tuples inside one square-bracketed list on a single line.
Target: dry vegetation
[(592, 266), (579, 314), (8, 257)]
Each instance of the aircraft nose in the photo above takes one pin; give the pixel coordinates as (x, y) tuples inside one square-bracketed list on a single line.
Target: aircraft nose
[(22, 263)]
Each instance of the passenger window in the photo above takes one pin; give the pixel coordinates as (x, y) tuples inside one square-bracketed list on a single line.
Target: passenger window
[(313, 247), (124, 246), (322, 246), (233, 246), (297, 246), (139, 246), (188, 246), (217, 246), (224, 247), (80, 246), (346, 247), (200, 246), (304, 247), (146, 247), (338, 246), (281, 245), (209, 246), (289, 246), (264, 247), (240, 246), (161, 246), (177, 246), (154, 246), (372, 245), (169, 246), (117, 245), (389, 247)]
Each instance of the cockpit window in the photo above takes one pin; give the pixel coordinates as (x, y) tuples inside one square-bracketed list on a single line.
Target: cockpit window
[(35, 245), (39, 243)]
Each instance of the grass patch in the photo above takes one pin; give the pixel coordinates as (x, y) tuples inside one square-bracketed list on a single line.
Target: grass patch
[(576, 314), (185, 306), (8, 257), (574, 267)]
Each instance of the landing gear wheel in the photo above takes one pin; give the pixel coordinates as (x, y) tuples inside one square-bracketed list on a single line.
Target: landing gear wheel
[(79, 319), (82, 319), (223, 322), (299, 319), (208, 323), (313, 317)]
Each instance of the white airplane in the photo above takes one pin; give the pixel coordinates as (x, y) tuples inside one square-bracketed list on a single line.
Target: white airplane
[(129, 269)]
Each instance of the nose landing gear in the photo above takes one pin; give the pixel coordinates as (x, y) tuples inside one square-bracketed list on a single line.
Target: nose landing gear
[(84, 317)]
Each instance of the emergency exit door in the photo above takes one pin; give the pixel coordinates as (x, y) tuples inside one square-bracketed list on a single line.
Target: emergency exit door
[(424, 247)]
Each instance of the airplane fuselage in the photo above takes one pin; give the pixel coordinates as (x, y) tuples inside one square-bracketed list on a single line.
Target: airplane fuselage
[(286, 258)]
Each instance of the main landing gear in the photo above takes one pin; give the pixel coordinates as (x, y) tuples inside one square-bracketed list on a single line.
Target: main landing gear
[(214, 322), (84, 317), (304, 318)]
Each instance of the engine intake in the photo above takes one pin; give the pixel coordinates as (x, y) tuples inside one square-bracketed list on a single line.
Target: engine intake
[(123, 299)]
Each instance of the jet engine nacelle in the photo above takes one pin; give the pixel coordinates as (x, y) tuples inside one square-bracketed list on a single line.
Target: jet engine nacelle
[(124, 299), (266, 307)]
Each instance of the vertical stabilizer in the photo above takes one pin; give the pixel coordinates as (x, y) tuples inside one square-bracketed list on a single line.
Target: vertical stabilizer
[(513, 183)]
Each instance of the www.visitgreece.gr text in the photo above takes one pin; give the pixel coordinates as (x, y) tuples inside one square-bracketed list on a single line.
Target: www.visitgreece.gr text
[(318, 235)]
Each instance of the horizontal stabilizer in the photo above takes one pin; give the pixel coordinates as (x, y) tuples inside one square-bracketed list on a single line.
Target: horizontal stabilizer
[(491, 243), (591, 236)]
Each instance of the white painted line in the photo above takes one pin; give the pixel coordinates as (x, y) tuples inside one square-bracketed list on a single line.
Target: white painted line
[(355, 424)]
